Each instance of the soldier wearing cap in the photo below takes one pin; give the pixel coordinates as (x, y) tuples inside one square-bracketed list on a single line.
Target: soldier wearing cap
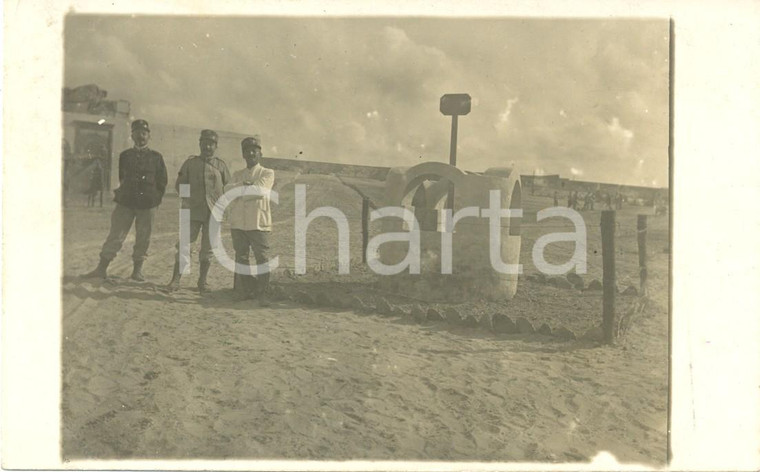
[(207, 175), (142, 183), (250, 218)]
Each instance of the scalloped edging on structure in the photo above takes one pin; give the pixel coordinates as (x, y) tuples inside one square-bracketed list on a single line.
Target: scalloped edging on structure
[(497, 323)]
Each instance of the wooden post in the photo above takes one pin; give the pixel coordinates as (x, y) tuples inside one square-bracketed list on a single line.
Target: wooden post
[(608, 277), (453, 147), (641, 229), (452, 158), (365, 228)]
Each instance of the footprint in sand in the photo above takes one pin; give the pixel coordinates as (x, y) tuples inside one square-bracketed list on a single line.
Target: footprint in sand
[(450, 395), (101, 386), (150, 375), (429, 384), (557, 412)]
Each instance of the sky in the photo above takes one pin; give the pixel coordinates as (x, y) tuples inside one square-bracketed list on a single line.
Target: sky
[(586, 99)]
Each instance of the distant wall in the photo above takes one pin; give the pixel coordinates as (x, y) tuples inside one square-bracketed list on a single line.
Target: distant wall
[(177, 143), (631, 191), (547, 184), (314, 167)]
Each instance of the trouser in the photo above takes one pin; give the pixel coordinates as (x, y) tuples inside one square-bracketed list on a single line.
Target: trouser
[(121, 222), (91, 197), (195, 229), (242, 242)]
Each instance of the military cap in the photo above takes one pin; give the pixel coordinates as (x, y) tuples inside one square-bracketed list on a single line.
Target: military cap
[(210, 135), (140, 125), (251, 142)]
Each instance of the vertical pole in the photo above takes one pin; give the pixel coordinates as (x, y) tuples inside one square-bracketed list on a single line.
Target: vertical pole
[(365, 228), (452, 157), (641, 230), (608, 277), (453, 150)]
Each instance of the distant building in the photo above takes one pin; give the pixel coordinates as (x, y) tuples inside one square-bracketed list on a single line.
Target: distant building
[(530, 181), (93, 129)]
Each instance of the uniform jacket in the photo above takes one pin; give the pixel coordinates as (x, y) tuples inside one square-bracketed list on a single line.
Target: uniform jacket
[(142, 178), (207, 178), (252, 212)]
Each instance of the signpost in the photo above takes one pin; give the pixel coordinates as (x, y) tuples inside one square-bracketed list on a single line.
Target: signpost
[(454, 104)]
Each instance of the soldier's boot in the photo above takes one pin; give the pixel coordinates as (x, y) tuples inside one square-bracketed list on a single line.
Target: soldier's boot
[(174, 282), (137, 272), (100, 271), (202, 285), (239, 287), (262, 290)]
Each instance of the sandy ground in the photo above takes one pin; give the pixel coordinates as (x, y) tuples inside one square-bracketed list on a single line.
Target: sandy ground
[(148, 374)]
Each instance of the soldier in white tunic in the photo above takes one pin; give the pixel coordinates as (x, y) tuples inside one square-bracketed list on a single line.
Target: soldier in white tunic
[(250, 219)]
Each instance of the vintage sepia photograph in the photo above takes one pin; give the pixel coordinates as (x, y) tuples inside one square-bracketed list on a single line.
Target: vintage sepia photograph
[(389, 238)]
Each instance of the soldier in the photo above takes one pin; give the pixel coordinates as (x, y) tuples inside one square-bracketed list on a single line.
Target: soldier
[(250, 218), (142, 183), (96, 183), (207, 175)]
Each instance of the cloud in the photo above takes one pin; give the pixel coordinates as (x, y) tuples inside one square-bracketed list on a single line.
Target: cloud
[(504, 116), (618, 132), (396, 38), (592, 94)]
